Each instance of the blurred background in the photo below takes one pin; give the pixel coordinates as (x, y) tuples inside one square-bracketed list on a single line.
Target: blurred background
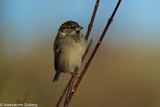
[(124, 72)]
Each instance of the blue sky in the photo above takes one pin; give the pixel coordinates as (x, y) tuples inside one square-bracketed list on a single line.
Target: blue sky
[(23, 22)]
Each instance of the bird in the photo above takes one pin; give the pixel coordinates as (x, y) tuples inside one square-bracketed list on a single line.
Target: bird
[(69, 48)]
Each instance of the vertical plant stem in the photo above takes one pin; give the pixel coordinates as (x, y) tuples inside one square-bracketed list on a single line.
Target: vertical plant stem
[(92, 20), (70, 86), (60, 99), (93, 53)]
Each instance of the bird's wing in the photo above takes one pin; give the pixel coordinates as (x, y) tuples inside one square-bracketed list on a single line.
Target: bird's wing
[(57, 52)]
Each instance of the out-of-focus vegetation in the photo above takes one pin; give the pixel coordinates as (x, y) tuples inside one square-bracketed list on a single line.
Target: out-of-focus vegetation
[(118, 76)]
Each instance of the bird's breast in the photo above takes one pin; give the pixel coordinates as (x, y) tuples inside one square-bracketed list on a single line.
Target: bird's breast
[(72, 51)]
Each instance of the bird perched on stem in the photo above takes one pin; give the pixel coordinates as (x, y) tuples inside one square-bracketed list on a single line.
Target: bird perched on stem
[(69, 48)]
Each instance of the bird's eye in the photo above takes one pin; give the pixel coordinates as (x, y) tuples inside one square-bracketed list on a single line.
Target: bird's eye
[(70, 26)]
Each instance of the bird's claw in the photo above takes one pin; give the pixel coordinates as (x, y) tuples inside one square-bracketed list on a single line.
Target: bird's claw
[(74, 74)]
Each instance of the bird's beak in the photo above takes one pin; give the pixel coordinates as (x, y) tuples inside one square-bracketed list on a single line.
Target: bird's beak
[(78, 28)]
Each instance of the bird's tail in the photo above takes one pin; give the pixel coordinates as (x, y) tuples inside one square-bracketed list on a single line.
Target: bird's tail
[(56, 76)]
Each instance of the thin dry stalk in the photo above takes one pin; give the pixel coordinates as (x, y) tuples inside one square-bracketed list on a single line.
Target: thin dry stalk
[(60, 99), (70, 86), (93, 53), (92, 20)]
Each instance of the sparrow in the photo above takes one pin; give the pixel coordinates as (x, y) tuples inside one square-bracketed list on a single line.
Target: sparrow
[(69, 48)]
